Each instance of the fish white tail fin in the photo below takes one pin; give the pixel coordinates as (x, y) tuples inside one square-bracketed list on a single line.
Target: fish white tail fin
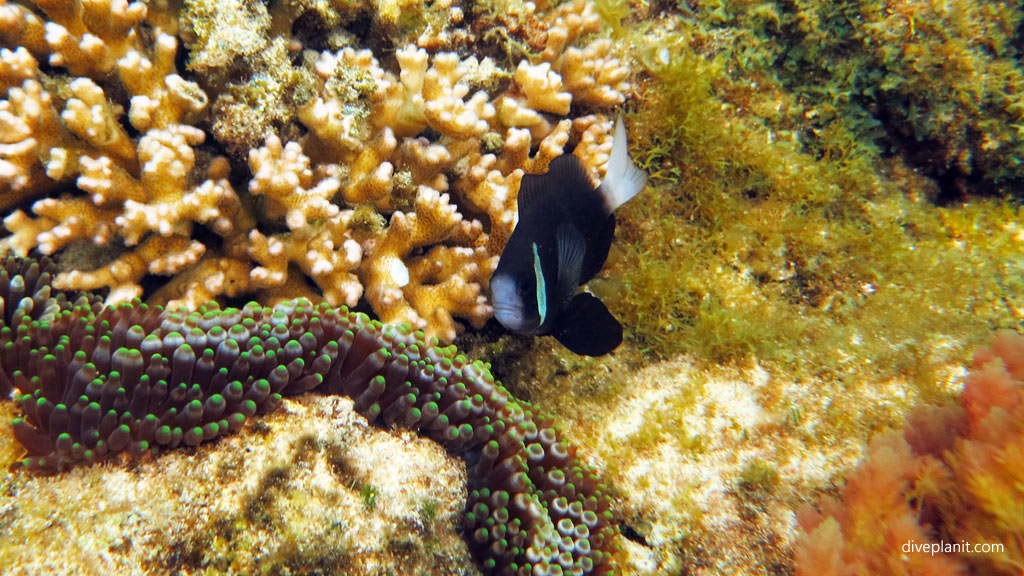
[(623, 179)]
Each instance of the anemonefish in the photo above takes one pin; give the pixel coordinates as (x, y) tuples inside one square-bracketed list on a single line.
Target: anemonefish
[(565, 228)]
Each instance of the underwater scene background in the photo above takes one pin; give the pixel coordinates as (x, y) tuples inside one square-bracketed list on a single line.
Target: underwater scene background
[(820, 287)]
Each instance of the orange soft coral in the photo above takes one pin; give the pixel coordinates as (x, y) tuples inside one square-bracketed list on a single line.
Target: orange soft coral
[(953, 477)]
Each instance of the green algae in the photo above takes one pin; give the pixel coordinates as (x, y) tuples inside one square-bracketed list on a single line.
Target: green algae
[(666, 421), (753, 241), (788, 229), (246, 70), (368, 494), (758, 475)]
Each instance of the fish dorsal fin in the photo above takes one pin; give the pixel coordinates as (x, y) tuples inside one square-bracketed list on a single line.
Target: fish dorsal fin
[(568, 171), (622, 179), (531, 194), (587, 327), (571, 249), (564, 181)]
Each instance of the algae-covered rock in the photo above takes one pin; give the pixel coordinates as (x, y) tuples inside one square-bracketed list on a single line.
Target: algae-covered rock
[(310, 489)]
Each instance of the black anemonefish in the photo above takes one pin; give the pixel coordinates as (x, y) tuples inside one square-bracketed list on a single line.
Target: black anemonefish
[(560, 242)]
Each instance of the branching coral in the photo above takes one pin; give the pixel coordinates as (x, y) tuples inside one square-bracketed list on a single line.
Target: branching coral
[(952, 478), (97, 380), (434, 149)]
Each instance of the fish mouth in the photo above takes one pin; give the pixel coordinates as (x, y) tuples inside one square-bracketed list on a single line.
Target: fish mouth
[(510, 317), (508, 306), (513, 318)]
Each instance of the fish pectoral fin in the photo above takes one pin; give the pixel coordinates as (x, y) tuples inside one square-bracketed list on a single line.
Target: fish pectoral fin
[(597, 251), (587, 328), (572, 247)]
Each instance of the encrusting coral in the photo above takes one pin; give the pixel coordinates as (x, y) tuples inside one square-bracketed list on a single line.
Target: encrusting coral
[(397, 185), (96, 380), (945, 496)]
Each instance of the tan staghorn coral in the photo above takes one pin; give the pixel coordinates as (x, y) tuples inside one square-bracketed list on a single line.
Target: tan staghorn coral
[(157, 255), (282, 174), (87, 37), (135, 188), (350, 174), (591, 76), (445, 278), (327, 253), (543, 88), (30, 128), (445, 108)]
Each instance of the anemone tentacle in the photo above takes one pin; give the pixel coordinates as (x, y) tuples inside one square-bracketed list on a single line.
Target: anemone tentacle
[(94, 380)]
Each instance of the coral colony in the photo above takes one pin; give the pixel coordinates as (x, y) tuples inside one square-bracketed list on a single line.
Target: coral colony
[(355, 199), (391, 182), (95, 380)]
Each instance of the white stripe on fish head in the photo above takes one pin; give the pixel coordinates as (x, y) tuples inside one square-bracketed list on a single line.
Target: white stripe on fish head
[(542, 293)]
